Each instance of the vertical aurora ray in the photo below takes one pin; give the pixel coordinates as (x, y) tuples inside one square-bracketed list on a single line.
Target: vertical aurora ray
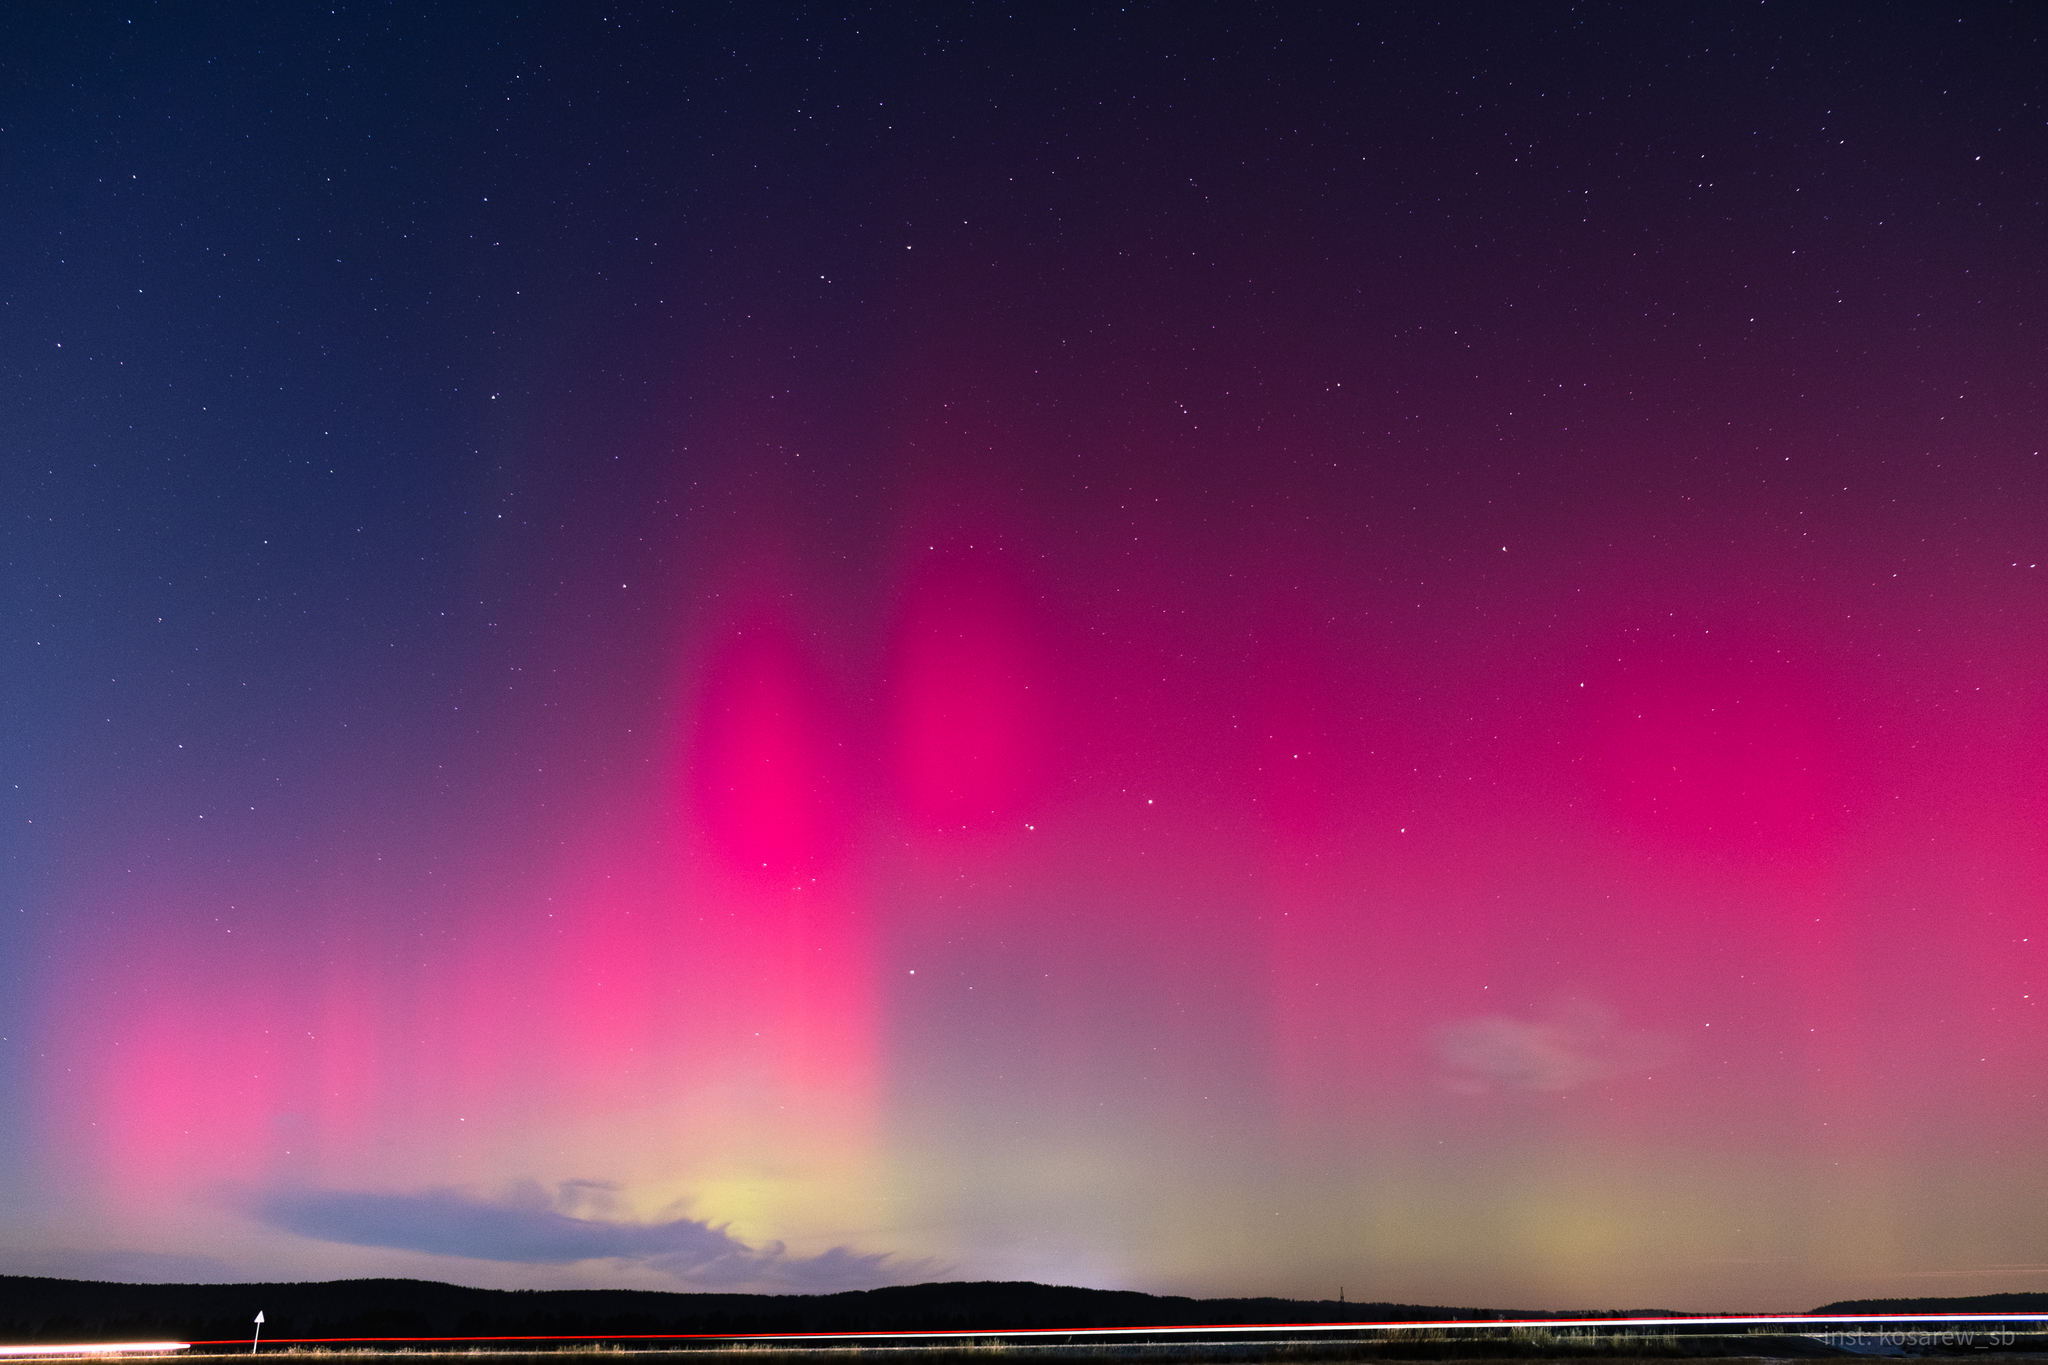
[(962, 918)]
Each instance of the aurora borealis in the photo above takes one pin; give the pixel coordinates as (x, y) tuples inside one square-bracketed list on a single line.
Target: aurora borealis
[(1222, 651)]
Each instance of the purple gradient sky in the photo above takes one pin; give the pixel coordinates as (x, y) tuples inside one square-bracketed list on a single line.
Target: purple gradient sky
[(1199, 650)]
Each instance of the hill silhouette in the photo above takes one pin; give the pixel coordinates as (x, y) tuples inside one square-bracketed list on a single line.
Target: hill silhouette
[(36, 1309), (1979, 1303)]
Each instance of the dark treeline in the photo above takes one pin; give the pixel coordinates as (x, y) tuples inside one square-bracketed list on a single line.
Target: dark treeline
[(1981, 1303), (34, 1309)]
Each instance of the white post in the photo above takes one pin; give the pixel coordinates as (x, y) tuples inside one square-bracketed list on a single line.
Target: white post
[(259, 1332)]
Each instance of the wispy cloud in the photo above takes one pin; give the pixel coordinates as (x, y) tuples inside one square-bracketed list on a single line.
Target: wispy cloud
[(1577, 1042), (529, 1225)]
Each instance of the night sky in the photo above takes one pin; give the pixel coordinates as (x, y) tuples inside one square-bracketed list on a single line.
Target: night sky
[(1215, 649)]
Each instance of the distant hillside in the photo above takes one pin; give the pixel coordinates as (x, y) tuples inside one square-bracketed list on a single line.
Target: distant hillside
[(34, 1309), (1981, 1303)]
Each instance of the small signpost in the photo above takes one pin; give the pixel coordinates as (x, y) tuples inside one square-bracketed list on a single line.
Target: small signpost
[(259, 1332)]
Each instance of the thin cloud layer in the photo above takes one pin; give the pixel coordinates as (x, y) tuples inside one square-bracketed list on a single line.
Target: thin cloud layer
[(1576, 1044), (527, 1227)]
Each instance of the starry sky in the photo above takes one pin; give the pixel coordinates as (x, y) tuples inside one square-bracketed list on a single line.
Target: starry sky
[(1218, 649)]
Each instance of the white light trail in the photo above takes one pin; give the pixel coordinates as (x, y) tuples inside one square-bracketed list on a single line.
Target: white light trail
[(98, 1348), (1792, 1320)]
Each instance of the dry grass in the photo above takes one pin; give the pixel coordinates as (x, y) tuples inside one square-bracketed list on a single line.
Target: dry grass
[(1520, 1345), (1474, 1346)]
